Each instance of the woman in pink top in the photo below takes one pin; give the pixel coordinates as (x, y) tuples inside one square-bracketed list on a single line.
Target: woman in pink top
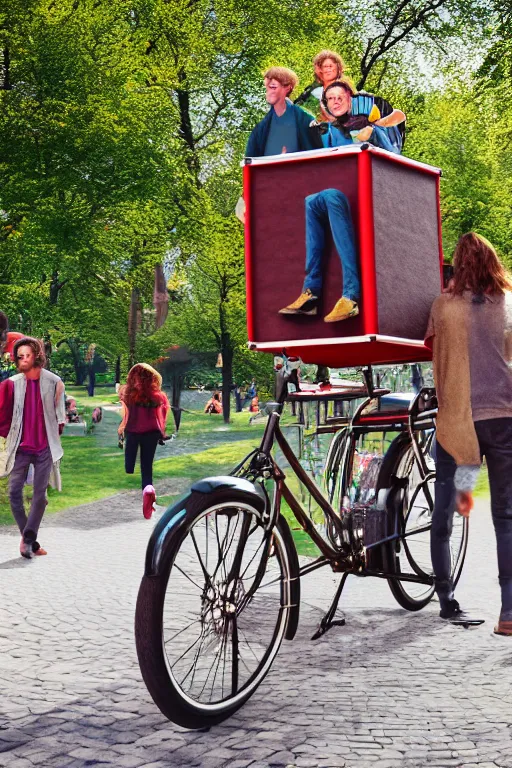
[(145, 409)]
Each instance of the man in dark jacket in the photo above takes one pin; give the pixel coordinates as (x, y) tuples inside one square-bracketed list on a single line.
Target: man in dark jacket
[(285, 127)]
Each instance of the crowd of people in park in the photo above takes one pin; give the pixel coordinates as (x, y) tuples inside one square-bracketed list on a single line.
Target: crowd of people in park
[(469, 332)]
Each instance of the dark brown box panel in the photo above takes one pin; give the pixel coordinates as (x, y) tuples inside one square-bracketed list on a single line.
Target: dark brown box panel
[(407, 255)]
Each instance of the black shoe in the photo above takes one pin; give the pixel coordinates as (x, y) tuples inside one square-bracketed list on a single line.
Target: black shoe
[(452, 612)]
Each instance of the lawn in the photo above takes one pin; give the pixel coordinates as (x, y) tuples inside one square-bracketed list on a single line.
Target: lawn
[(93, 466)]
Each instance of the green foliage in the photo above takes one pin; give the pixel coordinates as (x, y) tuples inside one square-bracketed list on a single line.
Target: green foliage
[(123, 125)]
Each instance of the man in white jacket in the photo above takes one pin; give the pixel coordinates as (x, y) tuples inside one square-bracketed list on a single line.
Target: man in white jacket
[(32, 416)]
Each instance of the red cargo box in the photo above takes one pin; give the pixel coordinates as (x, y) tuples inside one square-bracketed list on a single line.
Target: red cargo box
[(395, 210)]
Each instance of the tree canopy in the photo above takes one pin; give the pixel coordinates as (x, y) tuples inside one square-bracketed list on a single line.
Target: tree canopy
[(123, 123)]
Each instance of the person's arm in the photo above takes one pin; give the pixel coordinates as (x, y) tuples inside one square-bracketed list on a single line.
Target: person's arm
[(165, 408), (240, 210), (430, 332), (379, 137), (60, 403), (124, 418), (395, 118), (465, 481), (6, 406), (256, 143), (251, 148)]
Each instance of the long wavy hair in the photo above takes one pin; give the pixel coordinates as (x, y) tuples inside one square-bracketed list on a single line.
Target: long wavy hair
[(35, 345), (142, 386), (477, 267)]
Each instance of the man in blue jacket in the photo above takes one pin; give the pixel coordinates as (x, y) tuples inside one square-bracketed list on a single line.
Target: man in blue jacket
[(285, 127)]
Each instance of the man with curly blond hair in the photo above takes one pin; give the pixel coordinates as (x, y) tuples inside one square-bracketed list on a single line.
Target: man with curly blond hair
[(285, 127)]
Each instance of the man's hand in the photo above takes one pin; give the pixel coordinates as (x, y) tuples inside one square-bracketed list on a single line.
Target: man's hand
[(464, 503), (365, 134), (240, 210)]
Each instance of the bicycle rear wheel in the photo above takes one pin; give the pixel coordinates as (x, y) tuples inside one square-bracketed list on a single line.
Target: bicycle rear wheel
[(411, 553), (209, 626)]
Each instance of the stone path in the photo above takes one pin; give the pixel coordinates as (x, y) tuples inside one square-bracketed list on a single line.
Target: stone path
[(390, 689)]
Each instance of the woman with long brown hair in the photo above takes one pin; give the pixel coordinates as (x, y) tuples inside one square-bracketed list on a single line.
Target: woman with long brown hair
[(470, 332), (145, 409)]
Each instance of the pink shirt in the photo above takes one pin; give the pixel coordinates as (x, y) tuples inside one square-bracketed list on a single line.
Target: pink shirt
[(6, 406), (33, 437), (143, 418)]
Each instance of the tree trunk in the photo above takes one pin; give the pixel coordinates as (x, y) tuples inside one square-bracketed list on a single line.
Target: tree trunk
[(186, 125), (133, 321), (55, 286), (160, 297), (177, 384), (5, 71), (227, 381), (77, 362), (118, 370)]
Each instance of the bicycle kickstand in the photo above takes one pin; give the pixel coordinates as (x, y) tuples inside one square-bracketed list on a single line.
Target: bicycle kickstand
[(328, 620)]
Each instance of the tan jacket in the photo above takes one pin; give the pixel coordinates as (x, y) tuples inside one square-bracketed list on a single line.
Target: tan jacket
[(449, 326)]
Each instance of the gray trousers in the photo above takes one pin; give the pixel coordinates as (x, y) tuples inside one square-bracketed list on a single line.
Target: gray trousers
[(42, 467)]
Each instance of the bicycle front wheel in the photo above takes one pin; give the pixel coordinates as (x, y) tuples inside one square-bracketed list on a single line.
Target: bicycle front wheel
[(210, 625)]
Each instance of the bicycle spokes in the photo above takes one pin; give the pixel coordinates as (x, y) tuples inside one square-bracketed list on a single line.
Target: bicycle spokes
[(228, 578)]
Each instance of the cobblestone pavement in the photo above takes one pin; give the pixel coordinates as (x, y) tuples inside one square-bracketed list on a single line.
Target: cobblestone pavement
[(391, 688)]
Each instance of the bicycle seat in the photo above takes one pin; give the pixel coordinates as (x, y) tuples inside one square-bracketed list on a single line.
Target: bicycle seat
[(396, 401), (394, 406)]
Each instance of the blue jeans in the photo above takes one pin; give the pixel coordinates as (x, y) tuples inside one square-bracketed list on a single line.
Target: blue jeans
[(330, 207), (495, 440)]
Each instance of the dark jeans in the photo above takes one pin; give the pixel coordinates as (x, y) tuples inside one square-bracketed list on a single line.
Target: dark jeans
[(42, 462), (495, 440), (148, 442)]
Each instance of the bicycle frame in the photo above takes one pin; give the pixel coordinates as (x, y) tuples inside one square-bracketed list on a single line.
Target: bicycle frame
[(262, 466)]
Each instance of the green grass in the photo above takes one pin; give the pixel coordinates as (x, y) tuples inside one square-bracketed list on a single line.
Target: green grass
[(103, 396), (482, 484), (93, 468)]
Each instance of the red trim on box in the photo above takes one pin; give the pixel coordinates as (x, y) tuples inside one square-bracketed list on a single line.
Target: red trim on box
[(367, 245), (439, 230), (347, 150), (352, 354), (401, 160), (248, 262)]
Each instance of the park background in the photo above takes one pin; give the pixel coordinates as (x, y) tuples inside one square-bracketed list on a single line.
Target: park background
[(122, 127)]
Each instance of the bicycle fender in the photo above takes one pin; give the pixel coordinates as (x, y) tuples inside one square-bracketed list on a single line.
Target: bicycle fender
[(171, 521), (175, 517), (211, 484)]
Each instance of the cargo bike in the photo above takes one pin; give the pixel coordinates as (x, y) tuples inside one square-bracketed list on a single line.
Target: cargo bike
[(222, 581)]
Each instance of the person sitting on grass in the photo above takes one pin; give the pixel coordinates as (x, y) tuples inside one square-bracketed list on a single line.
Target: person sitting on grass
[(214, 404)]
